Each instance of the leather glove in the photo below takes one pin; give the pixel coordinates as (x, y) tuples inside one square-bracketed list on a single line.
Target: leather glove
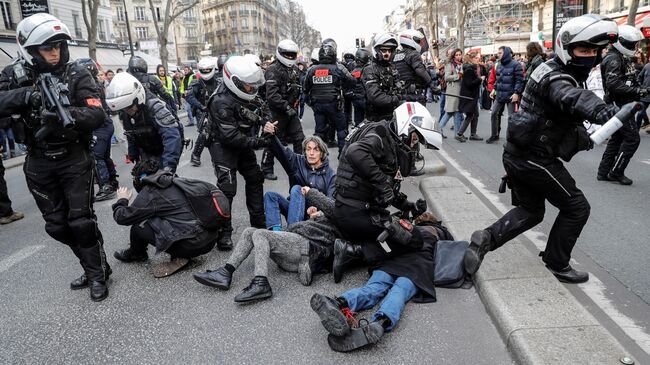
[(291, 112), (410, 97), (385, 196), (642, 91), (48, 116), (419, 207), (32, 98), (258, 143), (435, 90), (605, 113)]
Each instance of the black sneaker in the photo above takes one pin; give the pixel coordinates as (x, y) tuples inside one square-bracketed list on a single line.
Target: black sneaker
[(106, 192), (270, 176), (224, 242), (621, 179), (460, 138), (258, 289), (332, 316), (128, 255), (491, 140), (474, 137), (219, 278), (362, 336)]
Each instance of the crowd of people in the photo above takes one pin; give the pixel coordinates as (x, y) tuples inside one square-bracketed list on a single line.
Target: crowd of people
[(334, 218)]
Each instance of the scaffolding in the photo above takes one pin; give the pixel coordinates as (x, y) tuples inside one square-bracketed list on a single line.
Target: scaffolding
[(488, 21)]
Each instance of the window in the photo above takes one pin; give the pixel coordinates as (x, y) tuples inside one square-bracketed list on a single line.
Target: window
[(120, 14), (242, 7), (142, 32), (190, 32), (189, 14), (6, 15), (101, 32), (244, 23), (140, 13), (75, 24), (233, 23)]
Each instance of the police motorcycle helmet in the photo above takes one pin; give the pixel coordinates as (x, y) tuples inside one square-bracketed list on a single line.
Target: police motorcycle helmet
[(207, 67), (124, 91), (255, 58), (46, 32), (243, 77), (328, 50), (221, 60), (385, 40), (411, 38), (314, 55), (90, 65), (628, 40), (414, 117), (362, 56), (287, 52), (137, 64), (589, 30)]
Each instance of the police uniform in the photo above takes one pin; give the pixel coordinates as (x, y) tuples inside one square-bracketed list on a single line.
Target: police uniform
[(358, 96), (199, 93), (155, 86), (413, 73), (382, 95)]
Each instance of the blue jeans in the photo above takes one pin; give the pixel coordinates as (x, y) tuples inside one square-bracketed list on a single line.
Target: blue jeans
[(276, 206), (443, 99), (396, 292), (458, 120), (190, 117), (642, 115)]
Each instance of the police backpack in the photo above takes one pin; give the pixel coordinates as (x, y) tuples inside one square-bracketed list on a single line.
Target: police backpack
[(210, 206)]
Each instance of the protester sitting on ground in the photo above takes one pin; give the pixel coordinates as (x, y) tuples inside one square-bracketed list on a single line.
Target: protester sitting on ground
[(161, 216), (309, 169), (395, 282), (305, 247)]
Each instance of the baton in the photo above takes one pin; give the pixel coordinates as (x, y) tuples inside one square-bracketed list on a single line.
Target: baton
[(457, 96)]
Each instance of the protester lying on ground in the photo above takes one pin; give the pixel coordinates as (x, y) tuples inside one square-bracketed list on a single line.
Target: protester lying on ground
[(161, 216), (305, 247), (309, 169), (394, 282)]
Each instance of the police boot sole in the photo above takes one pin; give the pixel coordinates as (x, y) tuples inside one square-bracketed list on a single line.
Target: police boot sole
[(357, 338), (330, 315)]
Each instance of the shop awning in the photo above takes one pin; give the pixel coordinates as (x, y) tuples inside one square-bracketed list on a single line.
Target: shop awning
[(638, 22)]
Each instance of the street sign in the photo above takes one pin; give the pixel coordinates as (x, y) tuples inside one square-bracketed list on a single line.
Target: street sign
[(31, 7), (563, 10)]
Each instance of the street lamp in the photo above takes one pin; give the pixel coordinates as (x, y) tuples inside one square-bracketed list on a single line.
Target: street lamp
[(128, 28)]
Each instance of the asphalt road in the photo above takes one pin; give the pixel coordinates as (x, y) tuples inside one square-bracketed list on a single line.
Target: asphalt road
[(176, 320), (613, 246)]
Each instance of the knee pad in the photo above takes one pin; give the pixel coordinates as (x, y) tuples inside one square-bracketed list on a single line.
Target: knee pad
[(85, 231), (60, 231)]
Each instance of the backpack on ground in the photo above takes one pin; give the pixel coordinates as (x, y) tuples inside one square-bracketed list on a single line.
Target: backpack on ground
[(210, 206), (450, 268)]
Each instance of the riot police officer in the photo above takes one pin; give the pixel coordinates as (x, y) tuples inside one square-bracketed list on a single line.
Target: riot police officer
[(410, 67), (380, 80), (283, 95), (376, 158), (233, 144), (621, 87), (348, 92), (362, 57), (199, 93), (138, 68), (324, 83), (106, 173), (151, 130), (58, 132), (548, 125)]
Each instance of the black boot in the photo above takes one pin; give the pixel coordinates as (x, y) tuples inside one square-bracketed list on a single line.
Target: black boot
[(130, 255), (344, 254), (331, 315), (219, 278), (619, 178), (270, 176), (113, 183), (82, 281), (95, 266), (480, 244), (224, 242), (570, 275), (258, 289), (195, 160), (106, 192), (362, 336), (311, 261)]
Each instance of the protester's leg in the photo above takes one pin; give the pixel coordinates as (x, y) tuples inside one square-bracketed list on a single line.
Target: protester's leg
[(242, 249), (141, 235), (497, 111), (458, 120), (370, 294), (296, 208), (275, 205), (282, 247), (444, 119), (393, 304)]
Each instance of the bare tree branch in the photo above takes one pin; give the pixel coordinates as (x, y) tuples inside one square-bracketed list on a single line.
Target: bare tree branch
[(631, 17), (89, 9), (170, 15)]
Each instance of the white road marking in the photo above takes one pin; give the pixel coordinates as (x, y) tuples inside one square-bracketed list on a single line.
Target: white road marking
[(594, 288), (18, 256), (647, 162)]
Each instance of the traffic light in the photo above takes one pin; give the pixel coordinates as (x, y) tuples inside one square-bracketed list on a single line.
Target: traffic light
[(357, 42)]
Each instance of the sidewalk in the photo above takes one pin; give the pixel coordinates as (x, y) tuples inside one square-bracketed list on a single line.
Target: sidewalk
[(540, 321)]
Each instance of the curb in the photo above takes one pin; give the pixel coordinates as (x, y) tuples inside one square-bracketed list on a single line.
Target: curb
[(540, 321), (14, 162), (433, 164)]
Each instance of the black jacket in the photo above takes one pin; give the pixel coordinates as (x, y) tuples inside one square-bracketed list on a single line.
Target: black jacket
[(282, 87), (153, 84), (324, 82), (411, 69), (470, 86), (165, 208), (619, 79), (382, 96), (86, 108)]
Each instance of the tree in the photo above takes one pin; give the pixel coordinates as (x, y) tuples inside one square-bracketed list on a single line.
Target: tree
[(432, 21), (89, 10), (631, 17), (298, 28), (173, 9), (461, 8)]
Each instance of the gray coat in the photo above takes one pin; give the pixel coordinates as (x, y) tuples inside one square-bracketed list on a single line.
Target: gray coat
[(321, 230), (453, 87)]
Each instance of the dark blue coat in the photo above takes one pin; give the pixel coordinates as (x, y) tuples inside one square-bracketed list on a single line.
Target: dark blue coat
[(300, 172), (509, 77)]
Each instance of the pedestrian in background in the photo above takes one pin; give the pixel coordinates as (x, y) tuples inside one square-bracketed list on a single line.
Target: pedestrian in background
[(470, 87), (7, 214), (506, 86), (453, 75), (536, 57)]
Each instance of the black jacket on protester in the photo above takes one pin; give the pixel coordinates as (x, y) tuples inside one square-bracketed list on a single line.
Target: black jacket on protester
[(282, 87), (166, 209), (86, 109), (382, 96), (470, 86), (619, 79), (411, 69)]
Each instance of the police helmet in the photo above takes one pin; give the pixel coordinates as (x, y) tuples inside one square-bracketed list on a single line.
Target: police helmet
[(314, 55), (327, 51), (255, 58), (88, 64), (362, 56), (385, 40), (348, 55), (221, 61), (287, 52), (207, 67), (43, 31), (124, 91), (589, 30), (137, 64), (414, 117), (411, 38), (628, 40), (243, 77)]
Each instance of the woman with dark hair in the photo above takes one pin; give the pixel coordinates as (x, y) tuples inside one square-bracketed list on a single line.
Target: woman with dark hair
[(453, 75), (535, 56), (470, 86)]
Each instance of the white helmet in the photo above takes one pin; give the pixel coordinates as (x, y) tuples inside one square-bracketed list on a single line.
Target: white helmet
[(411, 38), (414, 117), (628, 40), (38, 30), (207, 67), (314, 55), (287, 52), (124, 91), (589, 30), (255, 58), (385, 40), (240, 74)]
